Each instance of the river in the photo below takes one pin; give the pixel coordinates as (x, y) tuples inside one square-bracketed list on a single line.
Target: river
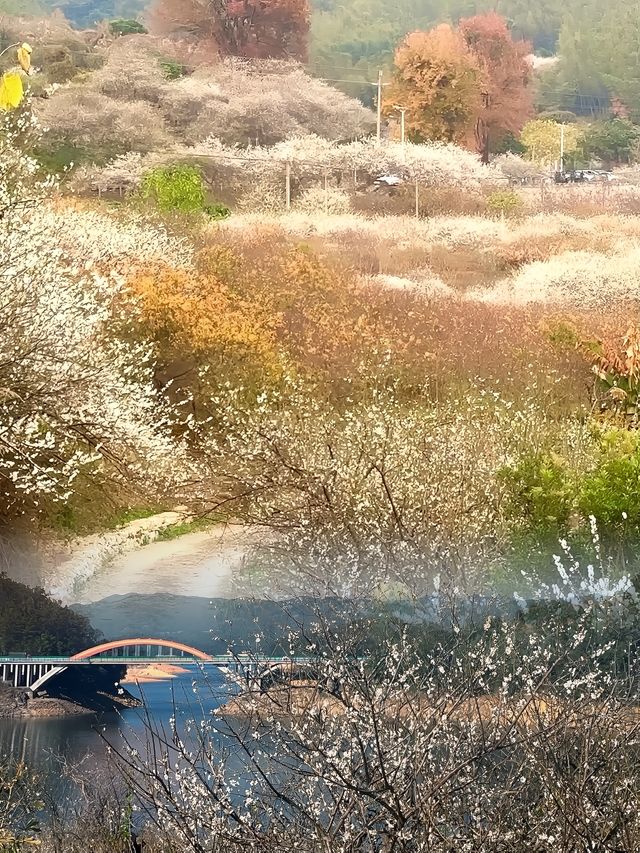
[(64, 750)]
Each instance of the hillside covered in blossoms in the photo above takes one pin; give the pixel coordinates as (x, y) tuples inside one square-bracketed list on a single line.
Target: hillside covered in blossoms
[(387, 350)]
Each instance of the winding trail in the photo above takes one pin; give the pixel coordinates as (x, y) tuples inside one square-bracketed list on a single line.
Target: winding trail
[(197, 564), (133, 560)]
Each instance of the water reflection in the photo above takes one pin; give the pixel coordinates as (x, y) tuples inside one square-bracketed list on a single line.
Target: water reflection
[(64, 747)]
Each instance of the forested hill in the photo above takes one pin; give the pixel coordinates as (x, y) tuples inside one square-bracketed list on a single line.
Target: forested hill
[(354, 28), (596, 42), (32, 622), (374, 26)]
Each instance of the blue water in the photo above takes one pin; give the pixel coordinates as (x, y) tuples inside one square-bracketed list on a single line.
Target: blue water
[(66, 748)]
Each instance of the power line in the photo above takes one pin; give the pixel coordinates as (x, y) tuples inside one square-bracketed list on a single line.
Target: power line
[(362, 82)]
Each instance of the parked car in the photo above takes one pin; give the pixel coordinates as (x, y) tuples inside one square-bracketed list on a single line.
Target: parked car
[(387, 182), (597, 175)]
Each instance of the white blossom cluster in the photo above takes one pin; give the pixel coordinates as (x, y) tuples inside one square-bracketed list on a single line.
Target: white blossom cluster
[(369, 496), (129, 104), (586, 278), (480, 740), (435, 164), (75, 395)]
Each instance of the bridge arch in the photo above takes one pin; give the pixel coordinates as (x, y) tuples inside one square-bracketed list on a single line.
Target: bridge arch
[(112, 645)]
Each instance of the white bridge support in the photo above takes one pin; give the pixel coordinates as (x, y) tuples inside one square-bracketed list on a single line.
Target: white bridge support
[(27, 673), (39, 683)]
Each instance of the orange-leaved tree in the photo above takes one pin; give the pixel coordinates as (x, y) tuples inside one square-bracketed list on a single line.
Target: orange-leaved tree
[(259, 29), (469, 85), (196, 321), (618, 373), (507, 100), (438, 81)]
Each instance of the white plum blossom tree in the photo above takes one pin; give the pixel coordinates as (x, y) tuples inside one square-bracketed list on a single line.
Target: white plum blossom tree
[(367, 496), (75, 395), (475, 734)]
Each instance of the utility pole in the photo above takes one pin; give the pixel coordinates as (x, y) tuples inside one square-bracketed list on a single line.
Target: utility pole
[(402, 111), (562, 147), (288, 185), (379, 115), (482, 129)]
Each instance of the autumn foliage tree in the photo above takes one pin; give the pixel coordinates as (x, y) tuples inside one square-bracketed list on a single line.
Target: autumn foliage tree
[(257, 29), (438, 81), (506, 74), (468, 85), (195, 318)]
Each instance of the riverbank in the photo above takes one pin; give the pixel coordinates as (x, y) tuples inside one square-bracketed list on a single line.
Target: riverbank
[(16, 704), (151, 673)]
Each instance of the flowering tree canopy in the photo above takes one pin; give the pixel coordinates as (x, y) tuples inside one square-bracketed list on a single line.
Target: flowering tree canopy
[(74, 395)]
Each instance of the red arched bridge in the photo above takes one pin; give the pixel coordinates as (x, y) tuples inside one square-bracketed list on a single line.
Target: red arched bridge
[(34, 673)]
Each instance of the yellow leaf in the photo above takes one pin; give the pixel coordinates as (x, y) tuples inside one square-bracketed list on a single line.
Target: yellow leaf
[(24, 57), (11, 91)]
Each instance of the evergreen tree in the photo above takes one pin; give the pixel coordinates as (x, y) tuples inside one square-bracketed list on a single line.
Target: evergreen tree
[(32, 622)]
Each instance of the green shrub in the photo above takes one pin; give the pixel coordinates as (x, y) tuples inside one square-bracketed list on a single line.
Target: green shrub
[(217, 211), (172, 70), (540, 491), (174, 188), (613, 487), (504, 201), (126, 27), (182, 528)]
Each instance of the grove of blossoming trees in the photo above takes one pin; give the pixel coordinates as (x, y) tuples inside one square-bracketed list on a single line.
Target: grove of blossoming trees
[(254, 178), (130, 105), (76, 399)]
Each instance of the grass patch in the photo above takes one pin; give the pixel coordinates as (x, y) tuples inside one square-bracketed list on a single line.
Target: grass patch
[(173, 531), (89, 514), (126, 515)]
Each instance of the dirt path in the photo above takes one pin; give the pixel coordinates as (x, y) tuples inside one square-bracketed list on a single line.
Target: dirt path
[(197, 564)]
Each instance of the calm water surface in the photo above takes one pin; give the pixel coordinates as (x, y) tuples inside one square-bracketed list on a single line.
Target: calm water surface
[(52, 746)]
